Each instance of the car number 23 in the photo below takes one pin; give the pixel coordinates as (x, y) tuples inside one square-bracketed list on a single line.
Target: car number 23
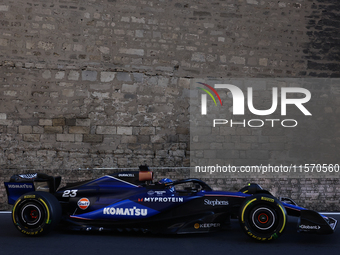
[(70, 193)]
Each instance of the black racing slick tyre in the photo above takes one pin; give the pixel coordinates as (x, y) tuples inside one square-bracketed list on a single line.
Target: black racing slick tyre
[(263, 217), (36, 213)]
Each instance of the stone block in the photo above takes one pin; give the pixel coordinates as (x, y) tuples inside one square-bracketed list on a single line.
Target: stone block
[(106, 130), (73, 75), (83, 122), (87, 138), (25, 129), (107, 76), (3, 116), (124, 130), (65, 137), (129, 88), (129, 139), (138, 52), (38, 130), (31, 137), (53, 129), (58, 122), (4, 8), (238, 60), (60, 75), (70, 122), (89, 75), (78, 130), (123, 76), (147, 131), (45, 122), (68, 92)]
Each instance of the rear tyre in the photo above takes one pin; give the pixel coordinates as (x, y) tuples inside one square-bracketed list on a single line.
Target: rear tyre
[(263, 217), (36, 213)]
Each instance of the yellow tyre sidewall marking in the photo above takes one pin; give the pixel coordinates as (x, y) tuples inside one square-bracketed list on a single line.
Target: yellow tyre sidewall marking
[(283, 213), (42, 201), (13, 211), (244, 209), (48, 212), (284, 219)]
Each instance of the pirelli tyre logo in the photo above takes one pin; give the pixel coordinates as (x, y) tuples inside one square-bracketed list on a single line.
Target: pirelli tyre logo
[(268, 199), (134, 211)]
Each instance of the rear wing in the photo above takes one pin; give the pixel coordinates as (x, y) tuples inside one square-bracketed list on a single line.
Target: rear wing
[(20, 184)]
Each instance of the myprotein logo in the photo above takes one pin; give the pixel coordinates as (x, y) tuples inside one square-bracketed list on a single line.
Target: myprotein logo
[(238, 107), (162, 199)]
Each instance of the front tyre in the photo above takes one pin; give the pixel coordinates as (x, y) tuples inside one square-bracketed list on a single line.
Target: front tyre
[(263, 217), (36, 213)]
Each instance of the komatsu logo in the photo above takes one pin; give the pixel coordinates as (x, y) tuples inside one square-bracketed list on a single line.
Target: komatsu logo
[(125, 211)]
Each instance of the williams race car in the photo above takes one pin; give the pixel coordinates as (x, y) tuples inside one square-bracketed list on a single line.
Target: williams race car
[(132, 201)]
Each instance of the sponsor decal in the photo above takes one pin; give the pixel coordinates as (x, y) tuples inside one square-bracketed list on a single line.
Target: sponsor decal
[(215, 202), (151, 193), (160, 192), (162, 199), (126, 175), (310, 227), (20, 186), (207, 225), (28, 176), (134, 211), (29, 196), (156, 192), (83, 203), (267, 199)]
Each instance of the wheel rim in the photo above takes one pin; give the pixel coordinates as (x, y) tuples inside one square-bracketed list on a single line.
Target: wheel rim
[(263, 218), (31, 215)]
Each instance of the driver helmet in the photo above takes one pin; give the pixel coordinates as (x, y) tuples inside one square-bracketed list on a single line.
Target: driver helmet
[(171, 188)]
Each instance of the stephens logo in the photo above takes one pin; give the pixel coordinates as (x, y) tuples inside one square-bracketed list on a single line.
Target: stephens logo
[(238, 108), (215, 202), (83, 203)]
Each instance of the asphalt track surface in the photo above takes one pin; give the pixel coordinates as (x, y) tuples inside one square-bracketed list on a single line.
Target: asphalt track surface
[(232, 241)]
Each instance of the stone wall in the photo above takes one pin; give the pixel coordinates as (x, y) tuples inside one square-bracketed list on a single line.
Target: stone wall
[(105, 83)]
